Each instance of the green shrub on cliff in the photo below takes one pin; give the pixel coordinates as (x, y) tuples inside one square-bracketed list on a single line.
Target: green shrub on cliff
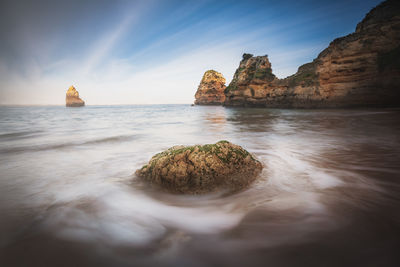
[(264, 74), (306, 75), (246, 56), (307, 79), (231, 87)]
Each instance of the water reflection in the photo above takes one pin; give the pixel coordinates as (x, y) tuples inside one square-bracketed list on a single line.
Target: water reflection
[(213, 119), (329, 187)]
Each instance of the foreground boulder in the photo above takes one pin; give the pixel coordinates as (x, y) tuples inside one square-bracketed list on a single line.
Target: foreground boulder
[(72, 98), (211, 89), (202, 168)]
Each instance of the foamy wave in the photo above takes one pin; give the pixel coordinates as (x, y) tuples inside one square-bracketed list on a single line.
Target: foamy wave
[(113, 139)]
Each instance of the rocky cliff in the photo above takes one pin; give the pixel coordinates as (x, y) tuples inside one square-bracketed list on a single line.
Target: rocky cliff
[(360, 69), (72, 98), (251, 83), (211, 89)]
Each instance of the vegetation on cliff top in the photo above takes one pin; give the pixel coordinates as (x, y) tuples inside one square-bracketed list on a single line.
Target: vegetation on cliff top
[(257, 69), (306, 75), (246, 56), (211, 72), (264, 74)]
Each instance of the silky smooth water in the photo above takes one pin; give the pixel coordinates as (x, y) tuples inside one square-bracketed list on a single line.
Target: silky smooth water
[(329, 194)]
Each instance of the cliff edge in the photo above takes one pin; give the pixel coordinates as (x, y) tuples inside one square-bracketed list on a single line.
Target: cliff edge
[(361, 69)]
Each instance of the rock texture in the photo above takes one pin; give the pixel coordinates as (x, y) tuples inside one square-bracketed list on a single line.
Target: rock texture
[(211, 89), (202, 168), (72, 98), (360, 69), (251, 82)]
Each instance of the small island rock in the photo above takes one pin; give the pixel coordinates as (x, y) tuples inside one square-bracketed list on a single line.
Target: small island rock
[(72, 98), (202, 168), (211, 89)]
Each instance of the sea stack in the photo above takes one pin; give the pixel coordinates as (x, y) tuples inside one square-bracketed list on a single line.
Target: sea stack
[(251, 82), (72, 98), (211, 89), (202, 168), (361, 69)]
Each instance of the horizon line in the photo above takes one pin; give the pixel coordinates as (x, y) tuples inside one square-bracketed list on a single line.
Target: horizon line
[(92, 105)]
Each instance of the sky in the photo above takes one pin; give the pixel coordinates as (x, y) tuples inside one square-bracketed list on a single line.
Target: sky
[(155, 51)]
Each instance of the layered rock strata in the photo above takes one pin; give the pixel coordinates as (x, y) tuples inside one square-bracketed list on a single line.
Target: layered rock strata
[(360, 69), (72, 98), (202, 168), (211, 89)]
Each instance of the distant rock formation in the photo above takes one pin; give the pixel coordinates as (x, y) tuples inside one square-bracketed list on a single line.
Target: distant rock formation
[(251, 82), (360, 69), (211, 89), (72, 98), (202, 168)]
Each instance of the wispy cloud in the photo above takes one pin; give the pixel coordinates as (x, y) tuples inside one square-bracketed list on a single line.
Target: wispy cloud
[(157, 51), (102, 47)]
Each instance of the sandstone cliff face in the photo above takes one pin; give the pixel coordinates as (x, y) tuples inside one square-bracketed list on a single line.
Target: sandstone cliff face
[(360, 69), (211, 89), (72, 98)]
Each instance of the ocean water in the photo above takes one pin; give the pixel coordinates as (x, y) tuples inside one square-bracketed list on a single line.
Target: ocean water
[(329, 194)]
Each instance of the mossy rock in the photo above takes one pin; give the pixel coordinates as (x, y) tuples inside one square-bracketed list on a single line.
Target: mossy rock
[(202, 168)]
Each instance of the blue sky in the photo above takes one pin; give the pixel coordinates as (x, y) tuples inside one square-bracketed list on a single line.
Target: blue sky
[(155, 51)]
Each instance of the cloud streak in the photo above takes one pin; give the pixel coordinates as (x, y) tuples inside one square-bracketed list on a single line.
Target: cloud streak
[(123, 52), (107, 42)]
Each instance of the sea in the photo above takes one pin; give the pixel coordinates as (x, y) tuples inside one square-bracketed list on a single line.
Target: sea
[(328, 195)]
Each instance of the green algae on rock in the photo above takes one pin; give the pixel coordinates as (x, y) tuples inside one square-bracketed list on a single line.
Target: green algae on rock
[(202, 168)]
